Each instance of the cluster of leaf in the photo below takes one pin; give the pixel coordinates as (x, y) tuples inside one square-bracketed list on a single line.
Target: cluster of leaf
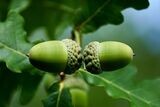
[(15, 70), (56, 15)]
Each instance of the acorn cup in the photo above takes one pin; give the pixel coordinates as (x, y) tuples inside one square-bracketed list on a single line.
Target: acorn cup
[(56, 56), (106, 56)]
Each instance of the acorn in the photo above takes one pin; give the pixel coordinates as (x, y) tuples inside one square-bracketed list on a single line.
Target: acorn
[(79, 97), (78, 89), (106, 56), (56, 56)]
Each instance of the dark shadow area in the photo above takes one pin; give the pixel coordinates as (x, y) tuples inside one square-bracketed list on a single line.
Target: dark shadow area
[(4, 6)]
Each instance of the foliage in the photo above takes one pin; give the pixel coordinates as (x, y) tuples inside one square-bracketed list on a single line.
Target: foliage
[(55, 16), (120, 84), (59, 96)]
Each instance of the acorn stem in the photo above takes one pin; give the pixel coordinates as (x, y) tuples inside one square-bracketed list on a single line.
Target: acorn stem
[(62, 76), (134, 54), (76, 36)]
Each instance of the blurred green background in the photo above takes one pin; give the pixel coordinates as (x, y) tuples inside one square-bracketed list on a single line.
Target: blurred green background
[(140, 30)]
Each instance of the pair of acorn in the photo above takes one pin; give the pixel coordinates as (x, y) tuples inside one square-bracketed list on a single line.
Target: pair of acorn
[(65, 56)]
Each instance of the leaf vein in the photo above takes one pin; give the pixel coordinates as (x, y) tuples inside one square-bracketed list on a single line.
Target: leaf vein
[(121, 88)]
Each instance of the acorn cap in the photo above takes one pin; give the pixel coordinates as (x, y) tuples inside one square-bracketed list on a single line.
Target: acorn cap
[(91, 59), (56, 56), (74, 56), (106, 56)]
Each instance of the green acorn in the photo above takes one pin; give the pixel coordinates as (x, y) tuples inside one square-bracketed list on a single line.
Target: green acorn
[(56, 56), (78, 89), (106, 56), (79, 97)]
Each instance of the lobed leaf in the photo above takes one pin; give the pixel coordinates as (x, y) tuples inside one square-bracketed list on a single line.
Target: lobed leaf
[(13, 44), (13, 50), (83, 15), (94, 14), (120, 84)]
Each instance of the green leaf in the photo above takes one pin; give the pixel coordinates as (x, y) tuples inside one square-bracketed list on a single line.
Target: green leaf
[(11, 81), (13, 44), (58, 97), (18, 5), (94, 14), (55, 17), (68, 93), (86, 15), (120, 84), (12, 34), (13, 50)]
